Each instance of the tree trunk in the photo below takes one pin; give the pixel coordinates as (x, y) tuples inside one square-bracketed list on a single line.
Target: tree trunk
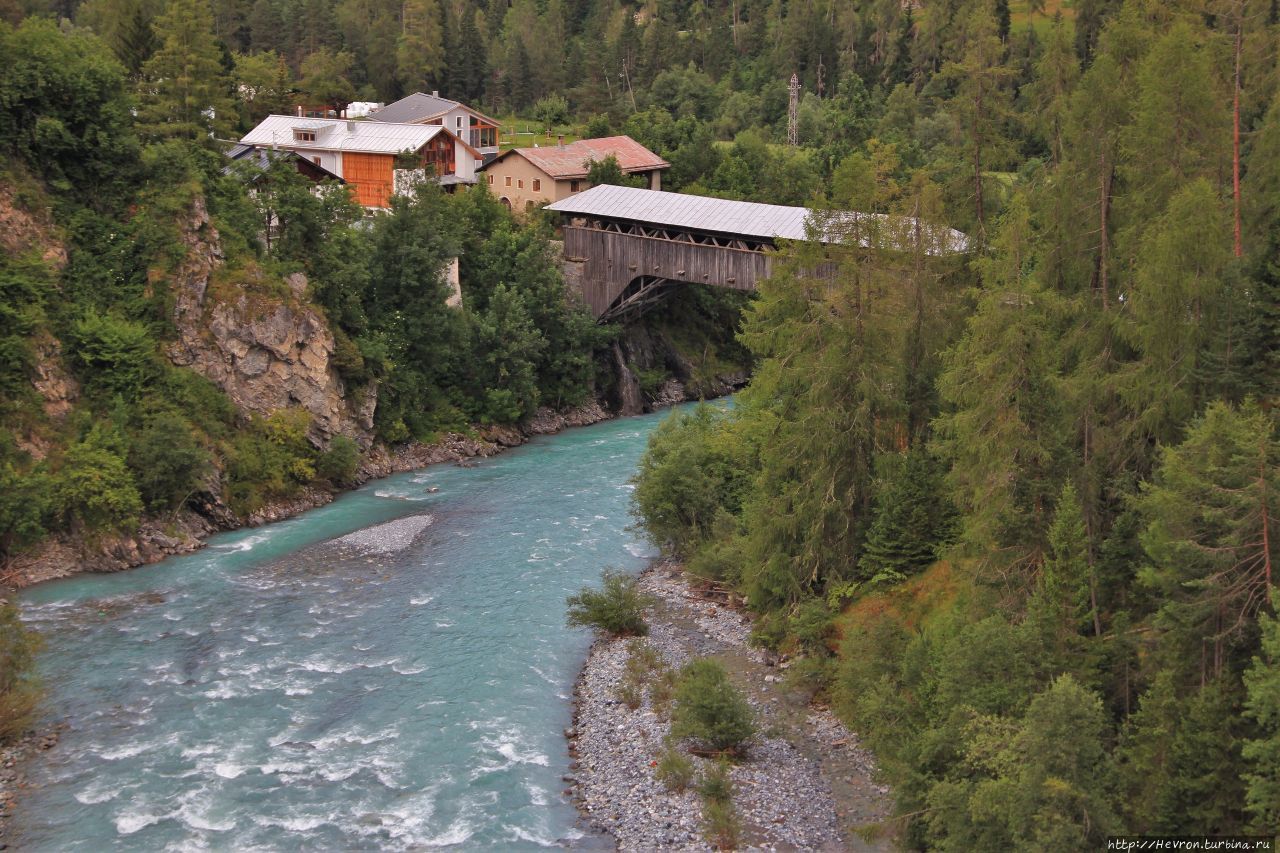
[(1235, 136)]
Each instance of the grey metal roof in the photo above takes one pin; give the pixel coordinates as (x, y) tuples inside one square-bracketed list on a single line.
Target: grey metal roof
[(262, 157), (724, 216), (341, 135), (413, 108)]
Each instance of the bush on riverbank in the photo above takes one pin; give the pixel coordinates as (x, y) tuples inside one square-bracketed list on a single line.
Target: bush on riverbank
[(710, 709), (719, 817), (19, 692), (617, 608)]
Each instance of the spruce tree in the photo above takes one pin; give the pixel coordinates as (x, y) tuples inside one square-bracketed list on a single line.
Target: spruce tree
[(911, 520), (185, 89), (1262, 751), (1211, 533)]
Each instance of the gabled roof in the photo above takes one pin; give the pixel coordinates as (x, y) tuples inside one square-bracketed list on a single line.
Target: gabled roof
[(420, 107), (372, 137), (262, 157), (739, 218), (569, 161)]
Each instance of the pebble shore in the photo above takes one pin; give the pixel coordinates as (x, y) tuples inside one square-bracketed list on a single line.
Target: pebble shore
[(784, 794)]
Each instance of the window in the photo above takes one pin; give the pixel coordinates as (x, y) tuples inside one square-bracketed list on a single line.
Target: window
[(520, 184), (573, 186), (491, 179), (315, 160), (537, 185), (304, 135), (508, 180), (459, 123)]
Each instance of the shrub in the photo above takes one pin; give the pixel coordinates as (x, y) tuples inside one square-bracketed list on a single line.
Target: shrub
[(94, 487), (339, 462), (710, 709), (166, 461), (720, 819), (19, 692), (720, 822), (617, 608), (630, 694), (675, 770)]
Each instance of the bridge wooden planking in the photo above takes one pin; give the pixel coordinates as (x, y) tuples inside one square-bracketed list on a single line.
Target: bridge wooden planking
[(611, 260)]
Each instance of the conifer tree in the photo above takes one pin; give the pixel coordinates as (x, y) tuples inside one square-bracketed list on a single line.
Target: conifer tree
[(1212, 532), (1263, 705), (982, 106), (911, 520), (185, 88), (420, 53), (1061, 604)]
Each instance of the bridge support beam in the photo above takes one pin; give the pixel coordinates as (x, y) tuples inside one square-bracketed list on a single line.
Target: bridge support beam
[(621, 271)]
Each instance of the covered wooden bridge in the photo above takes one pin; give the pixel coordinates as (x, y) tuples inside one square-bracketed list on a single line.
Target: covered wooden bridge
[(625, 247)]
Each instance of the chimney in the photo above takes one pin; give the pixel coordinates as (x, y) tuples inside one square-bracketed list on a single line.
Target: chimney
[(351, 126), (435, 93), (299, 112)]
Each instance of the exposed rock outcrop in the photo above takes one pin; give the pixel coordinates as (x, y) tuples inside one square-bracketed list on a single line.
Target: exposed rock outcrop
[(642, 348), (65, 555), (266, 353)]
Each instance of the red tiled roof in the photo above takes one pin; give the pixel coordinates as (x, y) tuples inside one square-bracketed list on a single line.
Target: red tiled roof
[(569, 161)]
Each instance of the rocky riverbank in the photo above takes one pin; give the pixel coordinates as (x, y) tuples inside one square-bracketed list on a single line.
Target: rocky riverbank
[(806, 783), (183, 532)]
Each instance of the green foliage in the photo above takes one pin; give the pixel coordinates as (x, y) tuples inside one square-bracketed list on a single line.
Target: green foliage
[(607, 171), (691, 471), (25, 285), (64, 109), (911, 521), (719, 817), (94, 488), (675, 770), (19, 690), (167, 462), (551, 111), (185, 86), (1210, 533), (116, 355), (617, 608), (339, 462), (1262, 751), (710, 709)]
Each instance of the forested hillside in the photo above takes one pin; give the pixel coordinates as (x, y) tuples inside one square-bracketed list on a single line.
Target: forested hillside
[(1018, 511)]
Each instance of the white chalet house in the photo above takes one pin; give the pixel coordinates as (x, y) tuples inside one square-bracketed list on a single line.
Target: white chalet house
[(367, 155)]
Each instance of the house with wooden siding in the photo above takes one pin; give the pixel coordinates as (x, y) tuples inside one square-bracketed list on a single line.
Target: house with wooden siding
[(477, 129), (369, 155), (523, 178)]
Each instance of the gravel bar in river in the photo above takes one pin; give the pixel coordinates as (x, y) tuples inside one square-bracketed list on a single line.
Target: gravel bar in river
[(806, 784)]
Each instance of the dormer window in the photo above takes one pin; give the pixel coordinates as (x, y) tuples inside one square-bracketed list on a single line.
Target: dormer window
[(304, 135)]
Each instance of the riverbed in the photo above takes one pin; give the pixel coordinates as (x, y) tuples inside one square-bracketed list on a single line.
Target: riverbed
[(392, 670)]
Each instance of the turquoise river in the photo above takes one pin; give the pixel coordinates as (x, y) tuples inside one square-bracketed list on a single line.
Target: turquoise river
[(286, 688)]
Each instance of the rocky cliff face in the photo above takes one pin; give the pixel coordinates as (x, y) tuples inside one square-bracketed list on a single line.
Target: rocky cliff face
[(642, 348), (265, 353)]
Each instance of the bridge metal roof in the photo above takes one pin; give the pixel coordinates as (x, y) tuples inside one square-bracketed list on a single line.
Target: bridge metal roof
[(724, 216)]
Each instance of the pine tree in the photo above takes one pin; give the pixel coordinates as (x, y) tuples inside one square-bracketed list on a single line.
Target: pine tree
[(185, 88)]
